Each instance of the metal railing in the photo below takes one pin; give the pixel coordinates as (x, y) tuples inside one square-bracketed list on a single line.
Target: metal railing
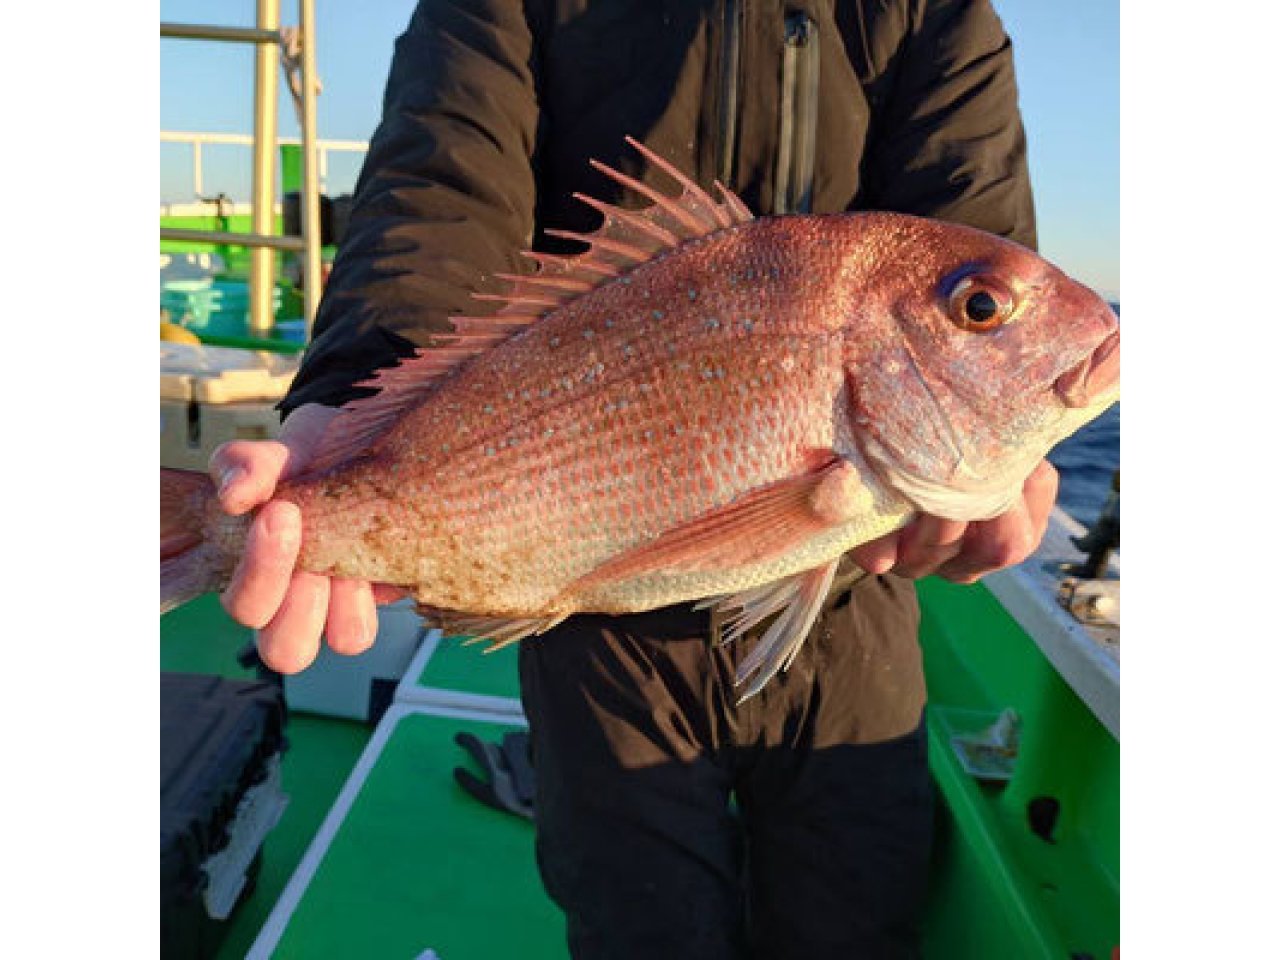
[(267, 39), (197, 140)]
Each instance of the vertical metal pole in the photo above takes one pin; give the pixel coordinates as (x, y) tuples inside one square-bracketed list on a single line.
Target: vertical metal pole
[(262, 279), (310, 174), (199, 169)]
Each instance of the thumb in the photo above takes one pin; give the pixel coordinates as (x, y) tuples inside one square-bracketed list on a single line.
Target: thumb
[(247, 471)]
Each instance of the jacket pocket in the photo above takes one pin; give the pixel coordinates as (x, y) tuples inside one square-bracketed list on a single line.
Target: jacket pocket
[(727, 89), (797, 115)]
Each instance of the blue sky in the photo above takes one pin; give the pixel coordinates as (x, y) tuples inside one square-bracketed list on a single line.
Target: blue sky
[(1067, 53)]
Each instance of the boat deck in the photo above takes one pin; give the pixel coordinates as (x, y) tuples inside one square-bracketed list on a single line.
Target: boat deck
[(381, 854)]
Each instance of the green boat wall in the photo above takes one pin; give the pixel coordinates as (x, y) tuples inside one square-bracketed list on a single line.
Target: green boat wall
[(1001, 888)]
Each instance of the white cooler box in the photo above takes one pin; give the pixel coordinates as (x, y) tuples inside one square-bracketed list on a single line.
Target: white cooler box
[(211, 395), (363, 686)]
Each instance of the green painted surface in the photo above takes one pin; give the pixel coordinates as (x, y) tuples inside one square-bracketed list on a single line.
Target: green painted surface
[(290, 168), (322, 751), (201, 638), (999, 889), (235, 257), (419, 864), (454, 666)]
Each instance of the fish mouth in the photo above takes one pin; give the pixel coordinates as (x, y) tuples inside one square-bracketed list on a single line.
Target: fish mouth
[(1095, 376)]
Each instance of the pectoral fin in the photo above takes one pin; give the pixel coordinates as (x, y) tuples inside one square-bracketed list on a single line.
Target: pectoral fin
[(761, 524), (797, 600)]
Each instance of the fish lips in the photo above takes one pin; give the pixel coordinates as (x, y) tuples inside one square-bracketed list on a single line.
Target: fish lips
[(1096, 375)]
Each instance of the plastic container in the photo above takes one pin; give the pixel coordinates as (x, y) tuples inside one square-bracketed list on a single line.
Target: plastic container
[(189, 301), (220, 747), (293, 331), (178, 449), (360, 687), (985, 742), (209, 306)]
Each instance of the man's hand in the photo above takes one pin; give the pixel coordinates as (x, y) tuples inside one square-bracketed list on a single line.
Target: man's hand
[(290, 608), (965, 552)]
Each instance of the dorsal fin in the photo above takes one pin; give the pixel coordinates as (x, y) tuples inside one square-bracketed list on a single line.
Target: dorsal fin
[(625, 240)]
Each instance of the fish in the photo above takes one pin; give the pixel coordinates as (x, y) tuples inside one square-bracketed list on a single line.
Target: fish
[(703, 406)]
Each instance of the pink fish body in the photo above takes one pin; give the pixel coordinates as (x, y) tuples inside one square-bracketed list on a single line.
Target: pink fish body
[(704, 406)]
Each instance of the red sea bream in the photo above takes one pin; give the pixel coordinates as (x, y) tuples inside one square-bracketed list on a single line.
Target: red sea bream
[(704, 406)]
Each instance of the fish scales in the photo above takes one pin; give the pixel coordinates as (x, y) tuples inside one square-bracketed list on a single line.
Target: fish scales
[(662, 405)]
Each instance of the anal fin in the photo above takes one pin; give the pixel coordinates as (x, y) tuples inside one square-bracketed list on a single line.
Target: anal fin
[(498, 632)]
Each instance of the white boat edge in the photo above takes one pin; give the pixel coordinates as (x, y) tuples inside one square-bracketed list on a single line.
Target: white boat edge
[(1029, 593)]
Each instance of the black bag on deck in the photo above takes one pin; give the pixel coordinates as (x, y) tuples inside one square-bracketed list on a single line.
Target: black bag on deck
[(220, 742)]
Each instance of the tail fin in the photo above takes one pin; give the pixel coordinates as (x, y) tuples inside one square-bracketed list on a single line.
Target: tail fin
[(189, 566)]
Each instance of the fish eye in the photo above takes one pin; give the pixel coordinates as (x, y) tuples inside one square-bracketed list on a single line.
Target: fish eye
[(980, 304)]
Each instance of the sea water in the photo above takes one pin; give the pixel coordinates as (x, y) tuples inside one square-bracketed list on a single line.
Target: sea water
[(1086, 463)]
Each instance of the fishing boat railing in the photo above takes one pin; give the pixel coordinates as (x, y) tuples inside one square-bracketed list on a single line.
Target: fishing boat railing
[(268, 39), (198, 140)]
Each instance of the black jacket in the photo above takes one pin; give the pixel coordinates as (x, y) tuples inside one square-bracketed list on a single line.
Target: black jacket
[(493, 108)]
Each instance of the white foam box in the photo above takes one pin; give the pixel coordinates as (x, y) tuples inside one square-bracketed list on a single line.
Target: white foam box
[(190, 431), (363, 686), (227, 374), (176, 386), (179, 448), (212, 395)]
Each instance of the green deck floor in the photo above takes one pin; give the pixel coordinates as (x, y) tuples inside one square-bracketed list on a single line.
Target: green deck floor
[(457, 665), (418, 864), (393, 883)]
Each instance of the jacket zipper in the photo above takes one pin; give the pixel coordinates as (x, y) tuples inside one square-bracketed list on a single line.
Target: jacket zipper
[(797, 115), (730, 57)]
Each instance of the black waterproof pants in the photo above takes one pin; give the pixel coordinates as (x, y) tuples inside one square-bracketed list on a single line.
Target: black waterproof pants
[(673, 823)]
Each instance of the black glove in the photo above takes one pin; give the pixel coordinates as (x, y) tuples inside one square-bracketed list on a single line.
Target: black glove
[(510, 774)]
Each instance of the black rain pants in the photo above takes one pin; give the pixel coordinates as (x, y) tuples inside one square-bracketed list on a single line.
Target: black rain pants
[(674, 823)]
